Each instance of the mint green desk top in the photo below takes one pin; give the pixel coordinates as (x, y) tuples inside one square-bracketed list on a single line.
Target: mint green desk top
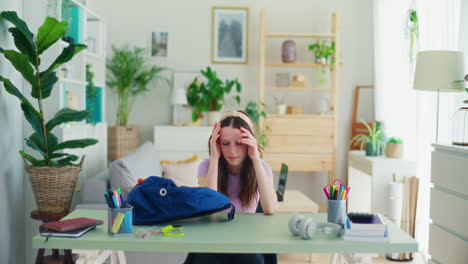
[(247, 233)]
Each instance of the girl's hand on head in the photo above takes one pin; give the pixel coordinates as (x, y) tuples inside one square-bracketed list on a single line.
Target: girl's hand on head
[(249, 140), (215, 148)]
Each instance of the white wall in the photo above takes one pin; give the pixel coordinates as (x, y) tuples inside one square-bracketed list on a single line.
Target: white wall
[(11, 140), (189, 27)]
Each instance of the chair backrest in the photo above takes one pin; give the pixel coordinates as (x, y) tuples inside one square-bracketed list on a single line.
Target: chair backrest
[(282, 182)]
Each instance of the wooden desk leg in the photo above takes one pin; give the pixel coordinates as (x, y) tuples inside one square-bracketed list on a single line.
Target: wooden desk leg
[(68, 256), (40, 255)]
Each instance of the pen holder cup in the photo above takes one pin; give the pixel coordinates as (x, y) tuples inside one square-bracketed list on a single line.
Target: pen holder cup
[(337, 212), (120, 221)]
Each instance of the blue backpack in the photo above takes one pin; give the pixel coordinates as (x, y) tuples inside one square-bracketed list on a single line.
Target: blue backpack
[(159, 200)]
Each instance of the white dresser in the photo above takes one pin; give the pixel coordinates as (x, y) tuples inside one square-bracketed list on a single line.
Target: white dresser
[(181, 142), (448, 233)]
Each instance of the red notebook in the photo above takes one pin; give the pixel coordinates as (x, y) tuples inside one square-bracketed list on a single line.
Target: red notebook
[(72, 224)]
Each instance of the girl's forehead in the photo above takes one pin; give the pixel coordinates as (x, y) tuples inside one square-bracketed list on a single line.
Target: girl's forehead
[(228, 132)]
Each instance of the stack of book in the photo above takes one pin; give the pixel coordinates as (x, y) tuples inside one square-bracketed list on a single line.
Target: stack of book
[(368, 228)]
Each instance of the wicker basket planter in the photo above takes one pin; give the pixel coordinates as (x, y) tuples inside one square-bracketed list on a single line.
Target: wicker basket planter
[(122, 140), (394, 150), (53, 187)]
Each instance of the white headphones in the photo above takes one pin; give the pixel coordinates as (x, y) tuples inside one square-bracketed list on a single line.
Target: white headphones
[(307, 228)]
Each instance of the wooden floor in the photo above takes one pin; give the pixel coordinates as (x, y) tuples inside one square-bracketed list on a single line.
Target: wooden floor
[(325, 258)]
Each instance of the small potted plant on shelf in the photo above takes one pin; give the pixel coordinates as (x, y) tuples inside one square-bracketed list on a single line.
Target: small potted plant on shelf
[(323, 51), (374, 141), (129, 76), (210, 96), (394, 148), (256, 113), (53, 173)]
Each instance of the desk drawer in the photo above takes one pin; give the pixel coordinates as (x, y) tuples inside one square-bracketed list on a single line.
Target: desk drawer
[(447, 248), (450, 171), (450, 211)]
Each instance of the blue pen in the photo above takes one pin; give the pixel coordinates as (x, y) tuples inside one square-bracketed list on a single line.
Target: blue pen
[(116, 205), (340, 192), (109, 202)]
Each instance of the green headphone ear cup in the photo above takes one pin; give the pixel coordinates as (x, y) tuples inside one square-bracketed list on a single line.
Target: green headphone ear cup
[(294, 224)]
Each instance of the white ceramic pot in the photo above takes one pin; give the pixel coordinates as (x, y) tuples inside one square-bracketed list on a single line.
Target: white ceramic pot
[(213, 117), (281, 109)]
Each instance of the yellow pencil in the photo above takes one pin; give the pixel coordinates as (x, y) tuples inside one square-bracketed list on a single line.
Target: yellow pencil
[(343, 195)]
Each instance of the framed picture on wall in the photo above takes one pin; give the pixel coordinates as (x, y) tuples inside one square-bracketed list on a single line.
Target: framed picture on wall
[(158, 45), (229, 35)]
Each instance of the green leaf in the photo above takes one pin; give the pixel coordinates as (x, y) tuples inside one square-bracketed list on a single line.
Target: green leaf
[(66, 115), (50, 32), (77, 143), (36, 143), (66, 55), (33, 119), (48, 79), (24, 46), (21, 64), (32, 160), (13, 18), (66, 161), (14, 91)]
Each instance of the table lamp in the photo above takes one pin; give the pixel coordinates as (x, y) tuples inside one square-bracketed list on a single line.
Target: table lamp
[(439, 71), (178, 100)]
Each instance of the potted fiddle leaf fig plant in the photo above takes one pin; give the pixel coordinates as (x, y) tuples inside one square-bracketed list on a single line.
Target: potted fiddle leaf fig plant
[(129, 76), (53, 173), (210, 96), (374, 141)]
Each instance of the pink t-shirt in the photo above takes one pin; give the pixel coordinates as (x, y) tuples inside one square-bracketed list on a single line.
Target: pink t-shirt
[(234, 187)]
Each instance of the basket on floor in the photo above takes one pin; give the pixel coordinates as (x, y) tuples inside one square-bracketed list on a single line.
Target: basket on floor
[(121, 141)]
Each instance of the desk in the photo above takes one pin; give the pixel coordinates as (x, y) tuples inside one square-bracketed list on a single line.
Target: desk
[(247, 233), (296, 202)]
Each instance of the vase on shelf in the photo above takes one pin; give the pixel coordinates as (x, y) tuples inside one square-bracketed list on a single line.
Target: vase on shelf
[(288, 51)]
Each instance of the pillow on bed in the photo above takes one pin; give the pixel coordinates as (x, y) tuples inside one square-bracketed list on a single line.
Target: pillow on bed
[(182, 172)]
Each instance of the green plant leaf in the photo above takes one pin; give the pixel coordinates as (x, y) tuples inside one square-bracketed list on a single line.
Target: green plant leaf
[(66, 115), (67, 161), (50, 32), (13, 18), (33, 119), (32, 160), (24, 46), (21, 64), (10, 88), (48, 79), (76, 143), (36, 143), (66, 55)]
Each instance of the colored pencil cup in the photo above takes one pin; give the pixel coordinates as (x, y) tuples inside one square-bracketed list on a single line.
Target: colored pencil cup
[(120, 221), (337, 211)]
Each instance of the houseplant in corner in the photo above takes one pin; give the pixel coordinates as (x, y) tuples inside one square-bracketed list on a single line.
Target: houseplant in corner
[(209, 96), (256, 113), (52, 173), (394, 148), (128, 76), (374, 141)]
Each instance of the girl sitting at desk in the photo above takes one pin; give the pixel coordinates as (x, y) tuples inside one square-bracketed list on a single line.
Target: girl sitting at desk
[(235, 168)]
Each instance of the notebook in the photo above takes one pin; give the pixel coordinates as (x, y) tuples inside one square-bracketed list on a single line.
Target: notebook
[(71, 224), (75, 233)]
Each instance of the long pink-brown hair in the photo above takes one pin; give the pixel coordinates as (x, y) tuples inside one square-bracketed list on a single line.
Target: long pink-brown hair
[(248, 178)]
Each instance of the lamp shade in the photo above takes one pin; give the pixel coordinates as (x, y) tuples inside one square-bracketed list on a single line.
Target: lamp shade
[(439, 70), (179, 96)]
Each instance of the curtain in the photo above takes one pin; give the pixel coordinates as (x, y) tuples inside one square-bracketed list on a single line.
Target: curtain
[(406, 113)]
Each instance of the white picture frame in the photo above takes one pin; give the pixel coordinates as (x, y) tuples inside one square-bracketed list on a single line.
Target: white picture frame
[(230, 35)]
